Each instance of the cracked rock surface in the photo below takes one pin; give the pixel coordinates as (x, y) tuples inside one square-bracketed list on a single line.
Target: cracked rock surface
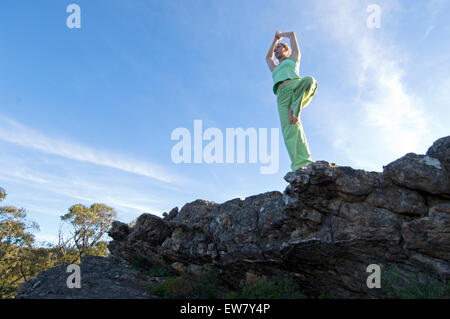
[(323, 231)]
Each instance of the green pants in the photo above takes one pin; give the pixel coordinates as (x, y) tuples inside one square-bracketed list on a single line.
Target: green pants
[(296, 95)]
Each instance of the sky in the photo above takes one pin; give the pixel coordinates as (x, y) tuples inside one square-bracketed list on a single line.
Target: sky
[(87, 115)]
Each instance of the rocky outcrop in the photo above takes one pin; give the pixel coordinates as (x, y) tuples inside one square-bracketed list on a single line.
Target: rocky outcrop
[(101, 278), (330, 223), (323, 231)]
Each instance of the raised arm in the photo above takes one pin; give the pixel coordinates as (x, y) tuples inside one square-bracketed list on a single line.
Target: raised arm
[(295, 50), (269, 56)]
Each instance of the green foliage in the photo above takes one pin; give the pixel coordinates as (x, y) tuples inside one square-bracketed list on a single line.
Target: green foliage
[(20, 260), (16, 255), (325, 295), (418, 286), (132, 223), (2, 193), (204, 286), (148, 268), (275, 288), (233, 295), (140, 262), (90, 224), (208, 286), (14, 228), (155, 271)]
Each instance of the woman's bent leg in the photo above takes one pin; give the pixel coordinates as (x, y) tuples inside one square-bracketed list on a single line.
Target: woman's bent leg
[(303, 91)]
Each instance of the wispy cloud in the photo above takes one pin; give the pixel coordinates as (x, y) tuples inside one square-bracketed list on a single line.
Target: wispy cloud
[(45, 194), (433, 9), (387, 118), (14, 132), (86, 191)]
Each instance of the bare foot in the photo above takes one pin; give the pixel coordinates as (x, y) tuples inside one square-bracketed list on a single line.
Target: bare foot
[(303, 168)]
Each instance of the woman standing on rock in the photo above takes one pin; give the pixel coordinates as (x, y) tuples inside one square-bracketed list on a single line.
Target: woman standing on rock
[(293, 93)]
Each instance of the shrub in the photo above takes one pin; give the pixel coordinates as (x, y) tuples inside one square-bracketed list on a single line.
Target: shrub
[(156, 271), (417, 286), (140, 262), (148, 268), (325, 295), (275, 288), (203, 286)]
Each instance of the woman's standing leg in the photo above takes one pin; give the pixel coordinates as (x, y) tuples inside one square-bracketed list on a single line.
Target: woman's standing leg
[(302, 92), (293, 134)]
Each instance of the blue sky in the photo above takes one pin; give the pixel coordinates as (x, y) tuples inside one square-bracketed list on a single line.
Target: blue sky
[(86, 115)]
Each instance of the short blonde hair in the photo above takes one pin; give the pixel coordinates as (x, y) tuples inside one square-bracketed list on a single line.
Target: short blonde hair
[(286, 46)]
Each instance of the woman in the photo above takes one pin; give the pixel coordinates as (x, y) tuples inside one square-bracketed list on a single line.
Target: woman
[(293, 93)]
